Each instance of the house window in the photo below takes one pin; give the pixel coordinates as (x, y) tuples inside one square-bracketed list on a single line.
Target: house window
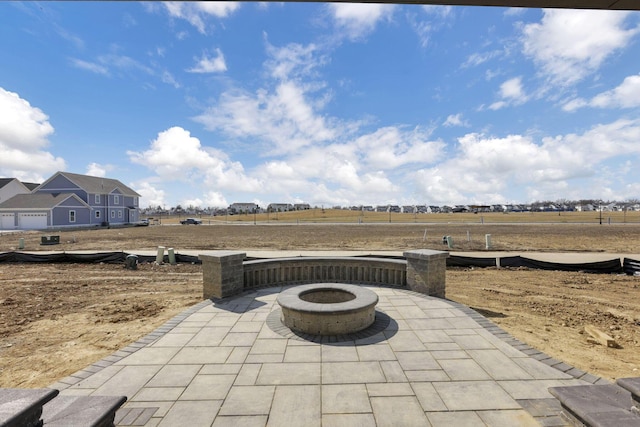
[(97, 200), (97, 214), (113, 214), (72, 216), (116, 200), (119, 214), (135, 201)]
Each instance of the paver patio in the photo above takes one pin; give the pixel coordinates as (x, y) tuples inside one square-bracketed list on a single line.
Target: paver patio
[(437, 363)]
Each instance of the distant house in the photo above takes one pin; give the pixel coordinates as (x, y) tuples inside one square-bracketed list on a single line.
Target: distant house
[(279, 207), (10, 187), (71, 200), (301, 206), (239, 208)]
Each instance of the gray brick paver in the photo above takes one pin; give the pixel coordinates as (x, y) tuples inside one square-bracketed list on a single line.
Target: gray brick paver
[(348, 420), (377, 352), (398, 411), (174, 376), (296, 406), (499, 366), (352, 373), (208, 387), (435, 363), (345, 399), (289, 373), (191, 413), (248, 400)]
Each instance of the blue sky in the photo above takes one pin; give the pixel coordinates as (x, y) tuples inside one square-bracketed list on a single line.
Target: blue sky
[(211, 103)]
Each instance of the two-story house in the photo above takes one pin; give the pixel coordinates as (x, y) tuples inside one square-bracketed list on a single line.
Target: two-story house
[(72, 200)]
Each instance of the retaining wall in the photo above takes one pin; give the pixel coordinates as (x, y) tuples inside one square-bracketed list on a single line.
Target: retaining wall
[(224, 276)]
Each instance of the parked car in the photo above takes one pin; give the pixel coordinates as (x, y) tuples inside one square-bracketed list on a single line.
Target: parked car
[(194, 221), (143, 223)]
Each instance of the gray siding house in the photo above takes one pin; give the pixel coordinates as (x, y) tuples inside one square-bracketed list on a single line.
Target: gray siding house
[(71, 200)]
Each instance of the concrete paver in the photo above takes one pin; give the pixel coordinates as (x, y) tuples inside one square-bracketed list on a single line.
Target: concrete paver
[(437, 363), (296, 406), (398, 411)]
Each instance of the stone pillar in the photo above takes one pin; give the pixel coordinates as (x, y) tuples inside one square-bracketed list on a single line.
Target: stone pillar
[(426, 271), (222, 273)]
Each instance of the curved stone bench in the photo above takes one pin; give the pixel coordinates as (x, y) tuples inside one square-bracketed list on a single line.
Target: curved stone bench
[(302, 270), (226, 273)]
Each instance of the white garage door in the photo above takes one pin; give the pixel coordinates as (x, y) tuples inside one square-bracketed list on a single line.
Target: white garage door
[(7, 221), (32, 221)]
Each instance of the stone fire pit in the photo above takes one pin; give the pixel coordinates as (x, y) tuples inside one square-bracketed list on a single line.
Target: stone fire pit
[(328, 308)]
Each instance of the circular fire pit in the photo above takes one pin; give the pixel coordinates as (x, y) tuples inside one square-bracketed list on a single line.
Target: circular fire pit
[(328, 308)]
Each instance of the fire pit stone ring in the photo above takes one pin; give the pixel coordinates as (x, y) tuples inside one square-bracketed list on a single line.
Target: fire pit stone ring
[(327, 308)]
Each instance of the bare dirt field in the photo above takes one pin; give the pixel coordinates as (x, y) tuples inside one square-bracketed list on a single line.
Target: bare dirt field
[(58, 318)]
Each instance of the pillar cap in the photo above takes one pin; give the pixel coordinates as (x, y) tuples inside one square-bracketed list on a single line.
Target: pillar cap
[(425, 254), (211, 255)]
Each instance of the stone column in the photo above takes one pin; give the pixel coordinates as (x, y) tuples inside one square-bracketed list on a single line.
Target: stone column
[(426, 271), (222, 273)]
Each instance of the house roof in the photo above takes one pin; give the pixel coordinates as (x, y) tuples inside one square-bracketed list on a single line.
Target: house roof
[(5, 181), (37, 201), (95, 184), (31, 185)]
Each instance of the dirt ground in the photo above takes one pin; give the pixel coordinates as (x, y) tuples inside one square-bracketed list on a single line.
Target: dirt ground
[(58, 318)]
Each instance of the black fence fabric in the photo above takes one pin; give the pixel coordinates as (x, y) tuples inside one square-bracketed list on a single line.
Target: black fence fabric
[(465, 261), (607, 267), (628, 266), (99, 257), (631, 267)]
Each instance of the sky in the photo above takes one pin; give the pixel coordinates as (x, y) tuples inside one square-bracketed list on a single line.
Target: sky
[(210, 103)]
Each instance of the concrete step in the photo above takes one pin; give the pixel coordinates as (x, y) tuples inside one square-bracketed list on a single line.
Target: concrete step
[(597, 405), (86, 411), (23, 407), (632, 385)]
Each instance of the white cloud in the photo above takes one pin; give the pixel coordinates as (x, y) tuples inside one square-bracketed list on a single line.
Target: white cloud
[(285, 119), (512, 89), (24, 133), (175, 155), (485, 166), (215, 199), (476, 59), (116, 64), (455, 120), (575, 104), (439, 17), (512, 93), (438, 11), (357, 20), (90, 66), (96, 169), (569, 45), (150, 194), (191, 203), (515, 11), (197, 12), (215, 64), (389, 148), (626, 95), (293, 60)]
